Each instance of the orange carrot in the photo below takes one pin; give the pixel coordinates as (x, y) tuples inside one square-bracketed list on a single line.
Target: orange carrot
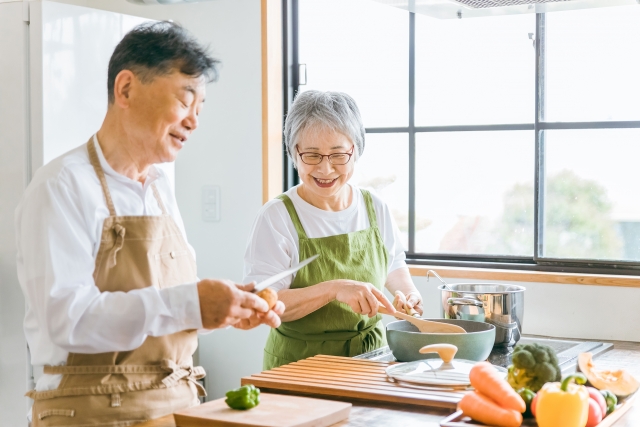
[(481, 408), (487, 381)]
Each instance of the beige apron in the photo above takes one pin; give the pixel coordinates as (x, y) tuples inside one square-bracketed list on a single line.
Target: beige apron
[(156, 379)]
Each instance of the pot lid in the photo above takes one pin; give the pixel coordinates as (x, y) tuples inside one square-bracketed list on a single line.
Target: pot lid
[(445, 371)]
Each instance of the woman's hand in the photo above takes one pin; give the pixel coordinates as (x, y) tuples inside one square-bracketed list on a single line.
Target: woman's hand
[(399, 280), (406, 303), (363, 298)]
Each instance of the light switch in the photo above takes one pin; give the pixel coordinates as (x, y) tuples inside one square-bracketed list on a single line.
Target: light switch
[(211, 203)]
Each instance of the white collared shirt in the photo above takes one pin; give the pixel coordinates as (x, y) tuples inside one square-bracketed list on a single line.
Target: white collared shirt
[(58, 230), (273, 243)]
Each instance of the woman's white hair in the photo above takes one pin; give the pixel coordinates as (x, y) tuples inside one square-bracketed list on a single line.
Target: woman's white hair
[(334, 111)]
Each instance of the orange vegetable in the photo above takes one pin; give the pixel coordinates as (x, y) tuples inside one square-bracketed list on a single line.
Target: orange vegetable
[(487, 381), (481, 408)]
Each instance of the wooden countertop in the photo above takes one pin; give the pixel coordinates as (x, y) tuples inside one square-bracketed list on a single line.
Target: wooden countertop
[(364, 414)]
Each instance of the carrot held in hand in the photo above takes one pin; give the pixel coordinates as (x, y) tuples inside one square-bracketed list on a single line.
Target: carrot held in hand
[(487, 380), (479, 407)]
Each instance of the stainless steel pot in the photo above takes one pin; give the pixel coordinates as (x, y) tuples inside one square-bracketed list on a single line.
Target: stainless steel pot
[(498, 304)]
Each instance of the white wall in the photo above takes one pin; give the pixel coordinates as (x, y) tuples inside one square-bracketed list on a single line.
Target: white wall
[(13, 178), (576, 311)]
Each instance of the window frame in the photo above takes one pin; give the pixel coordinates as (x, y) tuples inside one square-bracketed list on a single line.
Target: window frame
[(537, 262)]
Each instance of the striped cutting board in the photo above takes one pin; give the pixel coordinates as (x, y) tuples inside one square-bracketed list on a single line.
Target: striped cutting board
[(333, 376)]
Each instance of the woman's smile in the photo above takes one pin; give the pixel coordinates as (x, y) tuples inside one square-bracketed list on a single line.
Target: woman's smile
[(325, 183)]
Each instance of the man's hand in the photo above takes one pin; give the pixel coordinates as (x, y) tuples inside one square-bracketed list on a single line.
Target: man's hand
[(270, 318), (223, 303)]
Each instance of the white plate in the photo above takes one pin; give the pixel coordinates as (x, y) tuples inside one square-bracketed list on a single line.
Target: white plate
[(434, 372)]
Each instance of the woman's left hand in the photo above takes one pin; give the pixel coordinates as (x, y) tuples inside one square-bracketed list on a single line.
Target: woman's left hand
[(406, 303)]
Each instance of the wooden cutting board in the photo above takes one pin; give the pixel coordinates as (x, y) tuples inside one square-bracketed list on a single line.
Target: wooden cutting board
[(345, 377), (274, 410)]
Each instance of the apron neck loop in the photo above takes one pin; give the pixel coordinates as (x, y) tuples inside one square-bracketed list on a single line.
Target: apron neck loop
[(294, 216), (95, 162), (368, 201), (158, 198), (93, 157)]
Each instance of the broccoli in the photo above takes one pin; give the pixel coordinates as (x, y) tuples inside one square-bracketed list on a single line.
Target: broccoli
[(533, 366)]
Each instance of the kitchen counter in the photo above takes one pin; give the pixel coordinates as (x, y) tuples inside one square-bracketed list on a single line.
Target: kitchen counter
[(364, 414)]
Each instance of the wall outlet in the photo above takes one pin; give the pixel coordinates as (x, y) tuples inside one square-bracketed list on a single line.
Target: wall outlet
[(211, 203)]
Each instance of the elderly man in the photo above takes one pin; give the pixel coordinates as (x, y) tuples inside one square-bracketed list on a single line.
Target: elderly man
[(113, 299)]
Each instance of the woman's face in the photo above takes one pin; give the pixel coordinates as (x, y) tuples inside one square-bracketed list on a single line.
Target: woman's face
[(324, 180)]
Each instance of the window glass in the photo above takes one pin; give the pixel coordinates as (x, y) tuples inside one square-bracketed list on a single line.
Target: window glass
[(362, 48), (592, 65), (591, 208), (474, 193), (475, 71), (384, 169)]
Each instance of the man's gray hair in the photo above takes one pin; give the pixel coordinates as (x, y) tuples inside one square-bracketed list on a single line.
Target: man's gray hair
[(334, 111)]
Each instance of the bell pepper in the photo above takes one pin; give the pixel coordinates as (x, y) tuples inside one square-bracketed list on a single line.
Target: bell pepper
[(528, 396), (610, 399), (245, 397), (564, 404)]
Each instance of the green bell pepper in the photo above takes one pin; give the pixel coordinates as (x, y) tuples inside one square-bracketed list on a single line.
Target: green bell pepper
[(527, 395), (245, 397), (611, 400)]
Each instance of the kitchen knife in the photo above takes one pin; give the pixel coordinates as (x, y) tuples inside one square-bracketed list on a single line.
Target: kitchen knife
[(273, 279)]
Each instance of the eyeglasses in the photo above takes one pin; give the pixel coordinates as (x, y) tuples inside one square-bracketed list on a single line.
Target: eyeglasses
[(337, 159)]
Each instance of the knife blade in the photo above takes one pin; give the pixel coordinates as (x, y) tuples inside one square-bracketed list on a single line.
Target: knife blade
[(273, 279)]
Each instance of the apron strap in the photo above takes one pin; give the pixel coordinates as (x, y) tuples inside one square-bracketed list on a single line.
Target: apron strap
[(294, 216), (368, 201), (93, 157), (156, 193)]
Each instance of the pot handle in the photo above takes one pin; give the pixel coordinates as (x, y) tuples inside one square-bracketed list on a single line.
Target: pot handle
[(446, 352), (464, 301), (513, 327)]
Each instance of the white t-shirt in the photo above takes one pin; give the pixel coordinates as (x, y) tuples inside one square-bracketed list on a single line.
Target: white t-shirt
[(273, 242)]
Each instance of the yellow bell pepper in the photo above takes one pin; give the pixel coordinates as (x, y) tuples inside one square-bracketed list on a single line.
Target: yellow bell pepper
[(563, 404)]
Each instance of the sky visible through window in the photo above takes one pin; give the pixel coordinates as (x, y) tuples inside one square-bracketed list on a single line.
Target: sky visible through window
[(474, 190)]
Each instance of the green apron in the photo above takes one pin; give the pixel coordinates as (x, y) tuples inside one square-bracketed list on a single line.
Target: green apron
[(333, 329)]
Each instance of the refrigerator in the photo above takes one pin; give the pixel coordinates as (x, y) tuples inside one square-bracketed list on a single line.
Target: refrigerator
[(53, 97)]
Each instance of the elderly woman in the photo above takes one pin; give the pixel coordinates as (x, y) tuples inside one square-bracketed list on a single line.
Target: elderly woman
[(331, 304)]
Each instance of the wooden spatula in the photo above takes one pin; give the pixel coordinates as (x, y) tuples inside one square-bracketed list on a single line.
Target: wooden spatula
[(425, 325)]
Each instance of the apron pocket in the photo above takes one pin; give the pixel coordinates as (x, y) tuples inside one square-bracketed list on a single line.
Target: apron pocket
[(171, 268)]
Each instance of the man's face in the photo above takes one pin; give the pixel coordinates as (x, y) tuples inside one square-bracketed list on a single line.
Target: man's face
[(163, 113)]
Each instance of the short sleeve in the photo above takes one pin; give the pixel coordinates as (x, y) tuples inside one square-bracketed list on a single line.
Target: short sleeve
[(272, 245)]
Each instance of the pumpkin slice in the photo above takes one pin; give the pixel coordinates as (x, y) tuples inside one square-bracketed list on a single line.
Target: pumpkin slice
[(619, 382)]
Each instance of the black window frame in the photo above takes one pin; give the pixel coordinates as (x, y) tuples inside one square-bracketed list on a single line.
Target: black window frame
[(537, 262)]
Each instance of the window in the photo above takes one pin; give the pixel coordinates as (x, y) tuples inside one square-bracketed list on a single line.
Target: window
[(504, 141)]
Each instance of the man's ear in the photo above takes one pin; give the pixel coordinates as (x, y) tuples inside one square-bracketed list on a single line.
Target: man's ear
[(122, 87)]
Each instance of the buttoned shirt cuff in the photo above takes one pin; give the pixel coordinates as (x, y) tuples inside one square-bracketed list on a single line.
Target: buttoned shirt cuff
[(185, 305)]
